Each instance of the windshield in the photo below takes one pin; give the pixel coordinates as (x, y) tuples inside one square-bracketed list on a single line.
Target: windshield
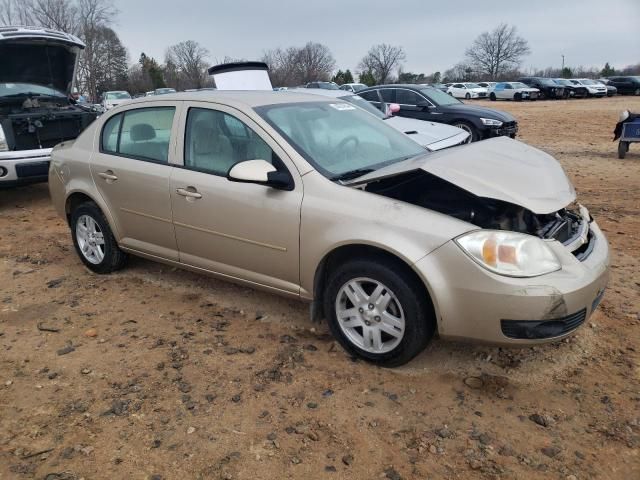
[(16, 89), (472, 85), (439, 97), (562, 81), (117, 96), (519, 85), (162, 91), (358, 86), (547, 81), (362, 103), (586, 81), (338, 138)]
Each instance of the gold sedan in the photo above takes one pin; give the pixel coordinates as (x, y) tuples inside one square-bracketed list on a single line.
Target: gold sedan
[(317, 199)]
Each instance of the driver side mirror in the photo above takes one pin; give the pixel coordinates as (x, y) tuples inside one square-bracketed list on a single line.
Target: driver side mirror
[(393, 108), (260, 172), (424, 105)]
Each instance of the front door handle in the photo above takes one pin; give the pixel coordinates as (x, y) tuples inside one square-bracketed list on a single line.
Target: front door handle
[(108, 176), (188, 192)]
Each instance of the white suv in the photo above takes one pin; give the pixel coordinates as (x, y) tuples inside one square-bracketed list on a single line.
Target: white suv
[(36, 110)]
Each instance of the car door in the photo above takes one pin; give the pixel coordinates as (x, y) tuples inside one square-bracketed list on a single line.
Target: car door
[(243, 231), (373, 97), (411, 104), (131, 170), (507, 92), (459, 90)]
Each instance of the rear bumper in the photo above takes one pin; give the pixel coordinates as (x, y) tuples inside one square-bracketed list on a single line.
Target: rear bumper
[(24, 167), (473, 303)]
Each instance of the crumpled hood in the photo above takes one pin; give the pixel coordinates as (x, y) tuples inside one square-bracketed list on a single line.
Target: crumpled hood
[(425, 132), (499, 168), (38, 57)]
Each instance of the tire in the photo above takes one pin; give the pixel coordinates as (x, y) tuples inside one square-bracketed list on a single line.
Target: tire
[(408, 312), (87, 223), (492, 97), (517, 97), (467, 97), (623, 147), (542, 95), (637, 92), (469, 127)]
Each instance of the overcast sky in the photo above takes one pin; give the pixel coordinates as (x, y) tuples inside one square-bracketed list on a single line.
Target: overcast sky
[(434, 34)]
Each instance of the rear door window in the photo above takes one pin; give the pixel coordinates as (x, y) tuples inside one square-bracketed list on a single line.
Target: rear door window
[(110, 134)]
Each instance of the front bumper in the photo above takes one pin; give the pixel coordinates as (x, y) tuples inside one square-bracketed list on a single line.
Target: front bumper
[(24, 167), (473, 303), (507, 129)]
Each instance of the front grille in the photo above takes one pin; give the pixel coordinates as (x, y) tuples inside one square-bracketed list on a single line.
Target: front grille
[(541, 329)]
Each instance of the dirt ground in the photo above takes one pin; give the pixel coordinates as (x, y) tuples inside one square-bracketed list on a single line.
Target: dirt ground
[(157, 373)]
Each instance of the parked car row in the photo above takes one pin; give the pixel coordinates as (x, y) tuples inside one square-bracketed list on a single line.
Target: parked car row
[(544, 88)]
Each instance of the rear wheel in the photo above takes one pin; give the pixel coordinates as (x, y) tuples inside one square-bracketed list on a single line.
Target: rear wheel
[(492, 97), (94, 241), (623, 148), (474, 135), (378, 311), (517, 97), (637, 92)]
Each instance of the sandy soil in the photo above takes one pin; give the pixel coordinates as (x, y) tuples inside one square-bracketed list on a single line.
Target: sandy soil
[(156, 373)]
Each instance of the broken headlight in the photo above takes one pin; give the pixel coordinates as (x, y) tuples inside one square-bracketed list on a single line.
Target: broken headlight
[(509, 253), (3, 141)]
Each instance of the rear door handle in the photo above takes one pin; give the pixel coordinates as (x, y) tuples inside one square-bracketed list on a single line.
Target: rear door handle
[(185, 192), (108, 176)]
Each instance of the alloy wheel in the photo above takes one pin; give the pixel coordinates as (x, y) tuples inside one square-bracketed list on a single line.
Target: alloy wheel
[(90, 239), (370, 315)]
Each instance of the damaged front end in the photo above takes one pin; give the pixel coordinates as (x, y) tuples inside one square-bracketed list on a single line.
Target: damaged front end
[(36, 112), (31, 123), (569, 225)]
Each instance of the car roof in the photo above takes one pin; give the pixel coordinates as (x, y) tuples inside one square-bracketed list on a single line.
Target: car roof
[(246, 98), (322, 91)]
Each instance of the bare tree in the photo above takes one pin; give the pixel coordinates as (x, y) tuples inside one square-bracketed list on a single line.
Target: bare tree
[(15, 12), (314, 62), (56, 14), (298, 65), (283, 68), (496, 52), (381, 60), (189, 59), (93, 16)]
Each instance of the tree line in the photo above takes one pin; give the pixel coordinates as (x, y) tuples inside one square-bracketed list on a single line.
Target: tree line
[(104, 64)]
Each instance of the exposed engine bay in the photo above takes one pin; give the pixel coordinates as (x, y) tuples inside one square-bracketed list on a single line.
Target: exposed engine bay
[(429, 191), (33, 122)]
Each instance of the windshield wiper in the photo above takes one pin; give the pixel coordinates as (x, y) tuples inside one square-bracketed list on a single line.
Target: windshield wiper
[(351, 174)]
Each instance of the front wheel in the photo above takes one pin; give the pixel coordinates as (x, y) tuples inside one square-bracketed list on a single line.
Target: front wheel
[(492, 97), (94, 241), (474, 136), (517, 97), (467, 96), (637, 92), (378, 312)]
